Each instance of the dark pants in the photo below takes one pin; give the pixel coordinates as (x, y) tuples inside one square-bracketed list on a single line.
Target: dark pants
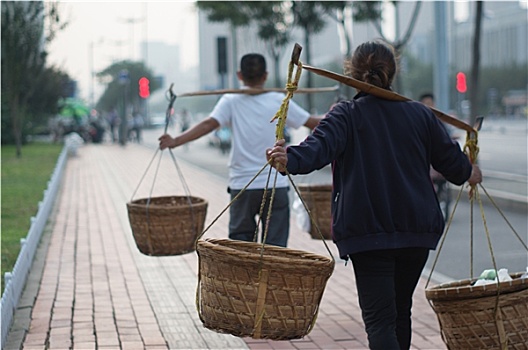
[(386, 280), (243, 213)]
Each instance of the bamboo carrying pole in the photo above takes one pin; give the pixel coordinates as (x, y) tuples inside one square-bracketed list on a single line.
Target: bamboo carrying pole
[(376, 91), (257, 91)]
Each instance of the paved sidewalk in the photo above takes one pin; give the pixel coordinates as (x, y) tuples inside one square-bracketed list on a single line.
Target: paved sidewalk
[(97, 291)]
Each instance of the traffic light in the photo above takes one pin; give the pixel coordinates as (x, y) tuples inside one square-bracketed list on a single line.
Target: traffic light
[(461, 85), (144, 90)]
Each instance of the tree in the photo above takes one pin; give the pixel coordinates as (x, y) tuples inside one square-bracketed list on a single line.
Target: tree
[(362, 11), (273, 29), (309, 15), (122, 91), (24, 57), (118, 89), (373, 13)]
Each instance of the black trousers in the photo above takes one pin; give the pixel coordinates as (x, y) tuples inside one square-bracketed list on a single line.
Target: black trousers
[(386, 280)]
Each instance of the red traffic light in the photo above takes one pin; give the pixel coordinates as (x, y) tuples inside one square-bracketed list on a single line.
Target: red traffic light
[(144, 90), (461, 85)]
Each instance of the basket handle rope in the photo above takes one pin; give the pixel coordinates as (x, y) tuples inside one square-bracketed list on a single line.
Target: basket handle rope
[(171, 97)]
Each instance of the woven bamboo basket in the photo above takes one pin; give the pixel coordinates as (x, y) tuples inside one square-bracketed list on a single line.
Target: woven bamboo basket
[(318, 199), (273, 296), (467, 314), (167, 225)]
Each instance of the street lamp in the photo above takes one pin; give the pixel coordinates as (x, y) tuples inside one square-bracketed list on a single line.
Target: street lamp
[(91, 59), (92, 71), (131, 21)]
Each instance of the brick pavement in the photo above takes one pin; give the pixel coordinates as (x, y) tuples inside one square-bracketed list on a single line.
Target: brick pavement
[(97, 291)]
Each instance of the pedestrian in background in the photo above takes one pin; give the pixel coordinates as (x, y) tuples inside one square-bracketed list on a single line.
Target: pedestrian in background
[(113, 122), (385, 214), (248, 116), (427, 99)]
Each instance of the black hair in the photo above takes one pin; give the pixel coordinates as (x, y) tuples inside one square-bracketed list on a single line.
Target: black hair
[(252, 67), (373, 62)]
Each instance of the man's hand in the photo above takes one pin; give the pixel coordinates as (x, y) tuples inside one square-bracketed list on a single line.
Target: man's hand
[(278, 156)]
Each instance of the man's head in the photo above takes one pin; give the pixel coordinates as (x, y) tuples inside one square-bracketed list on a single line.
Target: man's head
[(253, 69), (427, 99)]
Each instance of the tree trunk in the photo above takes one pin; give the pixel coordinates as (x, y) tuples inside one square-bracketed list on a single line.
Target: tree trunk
[(475, 64), (16, 121), (276, 59)]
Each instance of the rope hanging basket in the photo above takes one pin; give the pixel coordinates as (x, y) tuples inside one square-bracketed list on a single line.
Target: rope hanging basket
[(252, 290), (167, 225), (318, 199), (475, 317)]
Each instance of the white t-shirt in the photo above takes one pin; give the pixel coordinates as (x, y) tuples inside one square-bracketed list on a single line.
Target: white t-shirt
[(249, 118)]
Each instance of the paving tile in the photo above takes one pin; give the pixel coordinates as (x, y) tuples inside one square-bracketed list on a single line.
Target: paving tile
[(84, 346)]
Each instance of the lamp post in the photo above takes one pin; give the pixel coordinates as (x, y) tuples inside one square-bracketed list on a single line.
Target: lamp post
[(92, 70), (131, 21)]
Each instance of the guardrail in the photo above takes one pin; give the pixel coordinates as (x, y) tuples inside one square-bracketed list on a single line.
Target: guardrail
[(16, 280)]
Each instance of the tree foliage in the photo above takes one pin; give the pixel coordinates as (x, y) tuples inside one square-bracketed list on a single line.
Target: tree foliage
[(24, 71), (236, 13)]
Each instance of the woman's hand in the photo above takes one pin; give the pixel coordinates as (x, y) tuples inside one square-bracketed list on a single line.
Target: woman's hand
[(476, 176), (277, 155), (166, 141)]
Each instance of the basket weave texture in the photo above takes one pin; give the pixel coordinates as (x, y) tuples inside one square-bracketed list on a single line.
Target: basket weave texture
[(167, 225), (275, 296), (318, 199), (467, 314)]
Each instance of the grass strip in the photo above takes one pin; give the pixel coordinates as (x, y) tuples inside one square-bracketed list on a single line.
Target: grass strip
[(24, 180)]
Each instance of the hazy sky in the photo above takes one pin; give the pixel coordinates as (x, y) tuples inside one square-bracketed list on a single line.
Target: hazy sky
[(106, 26)]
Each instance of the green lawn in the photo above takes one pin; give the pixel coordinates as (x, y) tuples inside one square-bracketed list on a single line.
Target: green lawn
[(24, 180)]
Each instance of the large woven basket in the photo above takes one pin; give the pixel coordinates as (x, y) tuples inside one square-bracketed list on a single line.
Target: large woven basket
[(467, 314), (318, 199), (167, 225), (273, 296)]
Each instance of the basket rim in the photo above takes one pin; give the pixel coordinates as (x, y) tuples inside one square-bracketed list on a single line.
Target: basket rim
[(228, 246), (462, 289), (135, 202)]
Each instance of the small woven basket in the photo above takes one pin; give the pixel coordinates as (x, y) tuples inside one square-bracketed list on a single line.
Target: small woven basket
[(318, 199), (167, 225), (275, 295), (467, 314)]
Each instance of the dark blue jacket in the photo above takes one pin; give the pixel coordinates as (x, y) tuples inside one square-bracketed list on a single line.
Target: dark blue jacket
[(381, 152)]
